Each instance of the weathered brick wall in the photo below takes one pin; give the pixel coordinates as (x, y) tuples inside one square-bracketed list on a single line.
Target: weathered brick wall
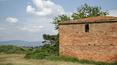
[(99, 44)]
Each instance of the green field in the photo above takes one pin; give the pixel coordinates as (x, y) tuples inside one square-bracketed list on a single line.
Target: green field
[(18, 59)]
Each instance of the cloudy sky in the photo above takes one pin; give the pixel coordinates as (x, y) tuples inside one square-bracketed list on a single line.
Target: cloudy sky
[(30, 19)]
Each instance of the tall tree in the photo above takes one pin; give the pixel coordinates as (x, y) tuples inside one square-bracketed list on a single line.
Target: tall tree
[(51, 43), (86, 11), (50, 39)]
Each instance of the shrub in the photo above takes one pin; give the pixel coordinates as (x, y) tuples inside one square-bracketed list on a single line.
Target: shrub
[(43, 52), (40, 55)]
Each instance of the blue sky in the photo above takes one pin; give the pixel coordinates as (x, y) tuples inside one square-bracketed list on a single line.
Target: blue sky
[(30, 19)]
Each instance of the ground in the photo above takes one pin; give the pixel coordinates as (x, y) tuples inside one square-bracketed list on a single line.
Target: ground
[(18, 59)]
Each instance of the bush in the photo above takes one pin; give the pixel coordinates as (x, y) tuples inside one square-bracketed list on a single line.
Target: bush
[(40, 55), (43, 52)]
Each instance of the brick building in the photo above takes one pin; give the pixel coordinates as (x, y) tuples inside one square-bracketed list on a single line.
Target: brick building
[(92, 38)]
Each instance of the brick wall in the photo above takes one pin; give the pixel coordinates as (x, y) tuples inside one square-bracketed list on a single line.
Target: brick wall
[(99, 44)]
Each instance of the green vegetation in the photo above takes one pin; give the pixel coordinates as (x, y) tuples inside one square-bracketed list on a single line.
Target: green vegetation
[(7, 64), (60, 19), (9, 49), (86, 11), (50, 48), (43, 52)]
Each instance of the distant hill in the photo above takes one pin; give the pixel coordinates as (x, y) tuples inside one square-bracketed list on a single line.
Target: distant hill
[(21, 43)]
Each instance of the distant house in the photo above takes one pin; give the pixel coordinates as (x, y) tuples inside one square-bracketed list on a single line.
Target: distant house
[(93, 38)]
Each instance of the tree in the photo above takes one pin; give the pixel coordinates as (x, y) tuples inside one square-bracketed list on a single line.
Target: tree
[(88, 11), (51, 42), (50, 39), (60, 19), (84, 11)]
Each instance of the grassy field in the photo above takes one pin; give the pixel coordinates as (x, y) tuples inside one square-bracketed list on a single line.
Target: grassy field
[(18, 59)]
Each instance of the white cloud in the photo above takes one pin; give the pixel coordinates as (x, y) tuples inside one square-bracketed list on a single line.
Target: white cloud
[(32, 28), (1, 28), (11, 19), (44, 8), (113, 12)]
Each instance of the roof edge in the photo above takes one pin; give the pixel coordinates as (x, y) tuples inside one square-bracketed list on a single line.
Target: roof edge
[(88, 22), (98, 19)]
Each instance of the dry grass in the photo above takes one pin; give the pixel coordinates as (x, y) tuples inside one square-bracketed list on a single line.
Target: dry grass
[(18, 59)]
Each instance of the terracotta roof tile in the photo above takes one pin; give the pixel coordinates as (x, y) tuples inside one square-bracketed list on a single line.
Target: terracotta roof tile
[(92, 20)]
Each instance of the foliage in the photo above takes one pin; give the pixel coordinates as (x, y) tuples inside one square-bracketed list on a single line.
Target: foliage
[(36, 55), (86, 11), (49, 48), (60, 19), (9, 49), (53, 41), (43, 52), (50, 39)]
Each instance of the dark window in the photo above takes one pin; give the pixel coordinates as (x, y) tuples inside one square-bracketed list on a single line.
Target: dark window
[(86, 27)]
